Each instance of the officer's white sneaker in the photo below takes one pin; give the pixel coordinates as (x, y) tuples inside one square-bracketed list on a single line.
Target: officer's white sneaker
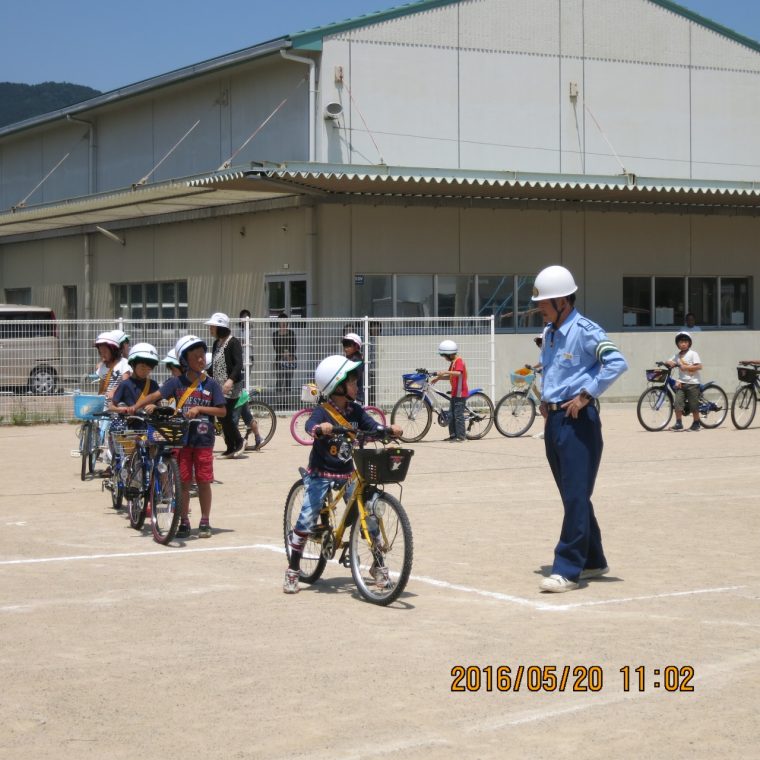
[(593, 572), (557, 584)]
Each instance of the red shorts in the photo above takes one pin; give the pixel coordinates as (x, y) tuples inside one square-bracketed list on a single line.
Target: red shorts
[(200, 460)]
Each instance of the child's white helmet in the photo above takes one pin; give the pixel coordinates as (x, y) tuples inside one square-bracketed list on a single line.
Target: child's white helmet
[(447, 348), (143, 352), (332, 371)]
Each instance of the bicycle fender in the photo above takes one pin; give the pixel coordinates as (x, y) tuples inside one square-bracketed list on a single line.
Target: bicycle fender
[(474, 391)]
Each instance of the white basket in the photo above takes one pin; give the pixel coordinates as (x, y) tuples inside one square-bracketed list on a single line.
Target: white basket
[(309, 393), (518, 379)]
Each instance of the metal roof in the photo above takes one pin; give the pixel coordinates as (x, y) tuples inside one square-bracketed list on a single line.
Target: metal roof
[(154, 83), (137, 202), (330, 180), (311, 39), (343, 183)]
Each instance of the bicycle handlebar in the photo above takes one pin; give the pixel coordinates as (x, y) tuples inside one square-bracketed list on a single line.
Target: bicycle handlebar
[(385, 434)]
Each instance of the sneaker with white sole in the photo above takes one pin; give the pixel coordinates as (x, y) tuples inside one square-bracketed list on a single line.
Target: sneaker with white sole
[(290, 585), (557, 584), (380, 575), (593, 572)]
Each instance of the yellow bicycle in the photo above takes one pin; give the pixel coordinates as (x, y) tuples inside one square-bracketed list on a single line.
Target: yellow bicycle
[(379, 547)]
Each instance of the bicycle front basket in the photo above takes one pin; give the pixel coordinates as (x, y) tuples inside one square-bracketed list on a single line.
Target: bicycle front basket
[(747, 374), (86, 405), (521, 377), (656, 375), (383, 465), (168, 430), (414, 381)]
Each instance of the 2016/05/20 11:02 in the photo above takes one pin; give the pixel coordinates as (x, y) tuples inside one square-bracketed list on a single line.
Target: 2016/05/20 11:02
[(579, 678)]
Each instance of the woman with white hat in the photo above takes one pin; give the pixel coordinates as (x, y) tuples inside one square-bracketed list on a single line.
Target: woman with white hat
[(226, 368)]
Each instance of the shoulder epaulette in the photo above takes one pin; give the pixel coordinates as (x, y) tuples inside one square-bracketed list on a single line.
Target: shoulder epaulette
[(586, 324)]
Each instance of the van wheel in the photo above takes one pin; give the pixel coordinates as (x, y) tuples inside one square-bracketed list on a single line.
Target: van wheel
[(42, 381)]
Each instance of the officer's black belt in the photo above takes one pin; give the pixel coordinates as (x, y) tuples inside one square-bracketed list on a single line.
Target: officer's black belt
[(557, 407)]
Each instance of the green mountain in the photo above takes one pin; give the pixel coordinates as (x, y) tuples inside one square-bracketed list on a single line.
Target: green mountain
[(22, 101)]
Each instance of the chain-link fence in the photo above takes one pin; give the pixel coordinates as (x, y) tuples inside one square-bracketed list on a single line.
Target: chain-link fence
[(43, 363)]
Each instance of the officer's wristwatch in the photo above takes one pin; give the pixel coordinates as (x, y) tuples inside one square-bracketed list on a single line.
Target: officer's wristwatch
[(586, 396)]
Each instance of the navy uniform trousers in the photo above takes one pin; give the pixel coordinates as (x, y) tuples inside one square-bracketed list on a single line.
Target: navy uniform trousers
[(574, 450)]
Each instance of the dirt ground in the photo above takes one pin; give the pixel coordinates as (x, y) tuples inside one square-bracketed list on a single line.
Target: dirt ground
[(112, 646)]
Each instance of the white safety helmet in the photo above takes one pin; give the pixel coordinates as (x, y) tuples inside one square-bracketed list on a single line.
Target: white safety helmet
[(185, 343), (107, 339), (683, 335), (219, 319), (332, 371), (448, 348), (553, 282), (120, 336), (143, 352), (171, 359), (354, 338)]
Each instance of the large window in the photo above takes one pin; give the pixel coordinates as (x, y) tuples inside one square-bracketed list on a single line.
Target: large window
[(151, 300), (665, 301), (21, 296), (505, 296)]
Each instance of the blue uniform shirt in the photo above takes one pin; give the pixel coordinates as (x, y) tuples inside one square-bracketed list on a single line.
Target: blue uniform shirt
[(578, 356)]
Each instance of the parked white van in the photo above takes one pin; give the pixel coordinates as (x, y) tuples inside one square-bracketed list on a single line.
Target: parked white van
[(30, 351)]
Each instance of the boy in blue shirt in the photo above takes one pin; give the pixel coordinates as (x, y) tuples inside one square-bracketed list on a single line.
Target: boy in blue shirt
[(143, 359), (199, 397), (330, 458)]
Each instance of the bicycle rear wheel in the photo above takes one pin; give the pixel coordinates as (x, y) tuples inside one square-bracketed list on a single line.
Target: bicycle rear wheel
[(115, 485), (137, 498), (478, 416), (298, 427), (165, 499), (655, 408), (743, 407), (381, 556), (377, 414), (515, 414), (713, 406), (265, 419), (414, 416), (312, 562)]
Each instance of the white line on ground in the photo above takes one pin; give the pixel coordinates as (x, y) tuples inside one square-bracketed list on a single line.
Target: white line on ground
[(498, 596)]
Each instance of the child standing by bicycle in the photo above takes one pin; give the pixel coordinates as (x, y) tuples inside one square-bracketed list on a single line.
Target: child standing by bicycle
[(457, 372), (687, 383), (331, 458), (199, 397), (143, 359)]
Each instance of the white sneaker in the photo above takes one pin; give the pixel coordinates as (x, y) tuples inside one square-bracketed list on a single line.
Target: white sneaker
[(380, 575), (593, 572), (290, 586), (557, 584)]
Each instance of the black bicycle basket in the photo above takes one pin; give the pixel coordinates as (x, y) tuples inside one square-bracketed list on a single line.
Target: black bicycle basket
[(168, 430), (656, 375), (388, 465), (747, 374)]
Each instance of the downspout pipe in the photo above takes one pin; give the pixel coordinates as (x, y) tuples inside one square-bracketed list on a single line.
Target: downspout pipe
[(312, 64)]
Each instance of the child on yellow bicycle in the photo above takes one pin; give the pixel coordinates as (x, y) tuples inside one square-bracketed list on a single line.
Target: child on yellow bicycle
[(331, 457)]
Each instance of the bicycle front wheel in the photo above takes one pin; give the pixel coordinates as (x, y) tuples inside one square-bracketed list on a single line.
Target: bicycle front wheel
[(654, 410), (265, 420), (713, 406), (413, 415), (381, 555), (114, 486), (478, 416), (515, 414), (377, 414), (137, 498), (165, 499), (298, 427), (743, 407), (312, 562)]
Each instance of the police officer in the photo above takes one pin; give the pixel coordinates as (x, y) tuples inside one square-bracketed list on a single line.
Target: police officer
[(580, 363)]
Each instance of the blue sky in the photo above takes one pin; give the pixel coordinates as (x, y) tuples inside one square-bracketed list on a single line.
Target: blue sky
[(109, 44)]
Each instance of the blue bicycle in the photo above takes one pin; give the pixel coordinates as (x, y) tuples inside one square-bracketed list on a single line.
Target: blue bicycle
[(414, 411), (655, 407), (151, 479)]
